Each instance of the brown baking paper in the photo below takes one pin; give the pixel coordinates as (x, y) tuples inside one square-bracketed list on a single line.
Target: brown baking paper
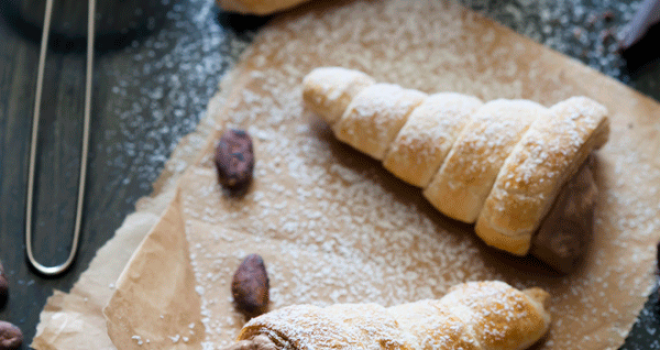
[(161, 281), (334, 226)]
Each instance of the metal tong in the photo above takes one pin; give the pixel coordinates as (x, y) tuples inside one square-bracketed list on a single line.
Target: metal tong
[(58, 269)]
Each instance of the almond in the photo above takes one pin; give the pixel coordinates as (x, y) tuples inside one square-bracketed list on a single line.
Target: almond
[(250, 286), (11, 337), (234, 159)]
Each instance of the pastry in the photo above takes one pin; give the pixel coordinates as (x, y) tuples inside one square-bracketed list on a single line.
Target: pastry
[(257, 7), (499, 165), (475, 315)]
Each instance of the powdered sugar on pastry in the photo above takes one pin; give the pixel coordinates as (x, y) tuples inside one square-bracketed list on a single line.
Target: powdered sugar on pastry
[(494, 145), (478, 315), (334, 227)]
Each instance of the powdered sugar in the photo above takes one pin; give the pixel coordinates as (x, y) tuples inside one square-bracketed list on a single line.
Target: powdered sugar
[(333, 226), (472, 313)]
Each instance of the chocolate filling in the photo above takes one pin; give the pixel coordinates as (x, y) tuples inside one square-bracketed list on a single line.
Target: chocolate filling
[(566, 230)]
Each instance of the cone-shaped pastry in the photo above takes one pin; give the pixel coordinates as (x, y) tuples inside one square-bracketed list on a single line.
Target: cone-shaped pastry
[(500, 164), (475, 315), (548, 155)]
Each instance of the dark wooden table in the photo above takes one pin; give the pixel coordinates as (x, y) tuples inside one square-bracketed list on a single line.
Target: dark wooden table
[(151, 90)]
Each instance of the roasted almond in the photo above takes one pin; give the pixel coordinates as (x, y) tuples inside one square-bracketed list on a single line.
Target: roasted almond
[(250, 286), (234, 159), (11, 336)]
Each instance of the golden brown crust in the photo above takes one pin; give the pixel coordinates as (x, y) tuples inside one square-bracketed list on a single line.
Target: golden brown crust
[(329, 90), (260, 342), (434, 328), (475, 315), (461, 186), (501, 317), (375, 116), (427, 137), (499, 164), (340, 326), (547, 156)]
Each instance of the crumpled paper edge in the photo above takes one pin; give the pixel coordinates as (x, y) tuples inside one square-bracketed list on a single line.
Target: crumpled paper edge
[(169, 315), (67, 316), (74, 320)]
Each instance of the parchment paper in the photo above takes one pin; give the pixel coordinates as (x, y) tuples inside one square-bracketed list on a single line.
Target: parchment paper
[(162, 283), (74, 320), (334, 226)]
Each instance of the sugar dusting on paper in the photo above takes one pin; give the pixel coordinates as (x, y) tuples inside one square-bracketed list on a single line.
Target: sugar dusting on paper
[(334, 227)]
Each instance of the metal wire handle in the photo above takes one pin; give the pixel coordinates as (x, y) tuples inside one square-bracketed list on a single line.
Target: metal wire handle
[(58, 269)]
